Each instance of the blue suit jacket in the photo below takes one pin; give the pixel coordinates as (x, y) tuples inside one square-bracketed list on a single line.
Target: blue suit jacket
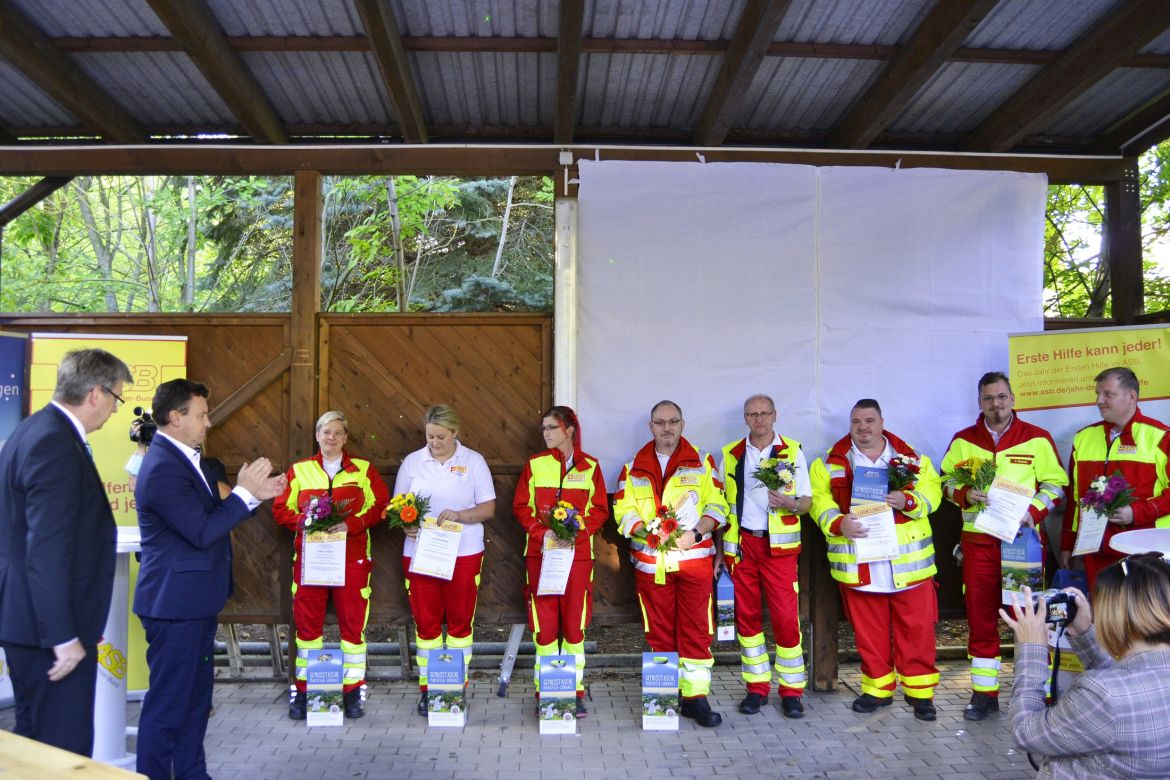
[(186, 569), (57, 536)]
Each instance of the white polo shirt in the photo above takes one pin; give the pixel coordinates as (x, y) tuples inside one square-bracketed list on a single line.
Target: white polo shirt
[(461, 483)]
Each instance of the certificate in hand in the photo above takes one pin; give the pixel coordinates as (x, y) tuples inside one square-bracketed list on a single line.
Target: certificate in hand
[(1007, 501), (1090, 531), (438, 547), (555, 564), (323, 559), (870, 483), (881, 540)]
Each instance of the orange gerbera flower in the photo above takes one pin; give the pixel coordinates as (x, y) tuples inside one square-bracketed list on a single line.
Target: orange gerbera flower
[(408, 514)]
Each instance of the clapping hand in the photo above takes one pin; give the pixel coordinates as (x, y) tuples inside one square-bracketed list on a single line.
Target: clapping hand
[(254, 478)]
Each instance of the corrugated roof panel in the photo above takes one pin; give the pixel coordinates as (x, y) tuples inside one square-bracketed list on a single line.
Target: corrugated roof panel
[(644, 90), (960, 96), (789, 93), (157, 88), (687, 20), (871, 22), (1116, 95), (312, 88), (481, 18), (24, 106), (286, 17), (1037, 24), (93, 18), (490, 88)]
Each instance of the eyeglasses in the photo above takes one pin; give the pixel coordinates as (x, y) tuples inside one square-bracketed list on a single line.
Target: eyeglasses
[(1002, 398), (672, 422), (759, 415), (1153, 555), (548, 428), (118, 402)]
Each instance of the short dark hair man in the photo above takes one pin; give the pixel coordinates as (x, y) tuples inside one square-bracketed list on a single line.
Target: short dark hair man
[(57, 538), (186, 576)]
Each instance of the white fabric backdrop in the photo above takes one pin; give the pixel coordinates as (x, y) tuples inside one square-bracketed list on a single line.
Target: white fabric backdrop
[(705, 283)]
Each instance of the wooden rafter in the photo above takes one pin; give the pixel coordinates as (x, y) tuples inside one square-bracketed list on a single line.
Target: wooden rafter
[(1145, 126), (1103, 48), (386, 43), (24, 45), (7, 137), (749, 44), (199, 34), (571, 23), (31, 197), (941, 32)]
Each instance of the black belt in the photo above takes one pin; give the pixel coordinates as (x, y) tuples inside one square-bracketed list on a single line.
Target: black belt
[(757, 534)]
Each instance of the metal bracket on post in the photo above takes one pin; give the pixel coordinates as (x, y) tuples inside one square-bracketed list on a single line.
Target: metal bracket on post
[(509, 661)]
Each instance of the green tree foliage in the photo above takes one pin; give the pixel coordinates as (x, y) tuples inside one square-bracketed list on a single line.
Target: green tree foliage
[(1076, 271)]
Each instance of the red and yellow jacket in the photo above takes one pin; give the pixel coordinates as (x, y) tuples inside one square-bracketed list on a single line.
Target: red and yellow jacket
[(546, 481), (358, 482), (1025, 454), (783, 527), (1140, 453)]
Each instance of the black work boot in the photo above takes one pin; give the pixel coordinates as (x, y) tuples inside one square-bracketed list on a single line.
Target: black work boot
[(353, 704), (699, 710), (297, 704)]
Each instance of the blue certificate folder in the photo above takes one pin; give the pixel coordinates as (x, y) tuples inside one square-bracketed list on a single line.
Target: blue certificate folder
[(870, 484)]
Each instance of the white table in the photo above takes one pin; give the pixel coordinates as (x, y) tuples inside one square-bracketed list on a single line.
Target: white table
[(1142, 540), (109, 738)]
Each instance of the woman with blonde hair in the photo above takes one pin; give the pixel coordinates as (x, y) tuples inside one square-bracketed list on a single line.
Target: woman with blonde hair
[(459, 486), (1111, 721)]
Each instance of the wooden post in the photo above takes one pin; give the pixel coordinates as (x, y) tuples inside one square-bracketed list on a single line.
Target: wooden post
[(824, 606), (1123, 236), (306, 303)]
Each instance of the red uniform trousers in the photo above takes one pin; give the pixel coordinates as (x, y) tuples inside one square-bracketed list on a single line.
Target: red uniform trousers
[(757, 576), (351, 601), (982, 595), (895, 638), (677, 617), (561, 619), (434, 602)]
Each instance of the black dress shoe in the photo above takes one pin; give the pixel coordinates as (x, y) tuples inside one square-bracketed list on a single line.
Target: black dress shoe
[(699, 710), (923, 708), (581, 711), (751, 703), (981, 706), (868, 703), (792, 707), (422, 704), (353, 703), (297, 705)]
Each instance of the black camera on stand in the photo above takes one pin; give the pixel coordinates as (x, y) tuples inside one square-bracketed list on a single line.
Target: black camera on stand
[(143, 428), (1060, 608)]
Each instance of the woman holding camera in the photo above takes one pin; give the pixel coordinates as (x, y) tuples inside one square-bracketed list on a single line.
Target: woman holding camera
[(1111, 721)]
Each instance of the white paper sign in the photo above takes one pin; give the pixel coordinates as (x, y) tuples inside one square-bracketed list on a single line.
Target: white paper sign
[(438, 547), (881, 539), (1007, 501), (323, 559), (555, 564), (1090, 531)]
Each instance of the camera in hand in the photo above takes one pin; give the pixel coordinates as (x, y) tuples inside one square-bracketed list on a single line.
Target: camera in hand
[(144, 427), (1059, 607)]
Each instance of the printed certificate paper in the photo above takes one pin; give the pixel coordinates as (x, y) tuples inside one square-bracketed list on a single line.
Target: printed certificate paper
[(1007, 502), (438, 547), (323, 559), (555, 564), (1090, 531), (881, 541)]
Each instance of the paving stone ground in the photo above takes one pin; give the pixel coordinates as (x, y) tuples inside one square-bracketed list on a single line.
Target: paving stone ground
[(251, 738)]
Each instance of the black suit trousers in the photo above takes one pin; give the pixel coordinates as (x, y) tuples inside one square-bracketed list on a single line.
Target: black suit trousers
[(55, 713)]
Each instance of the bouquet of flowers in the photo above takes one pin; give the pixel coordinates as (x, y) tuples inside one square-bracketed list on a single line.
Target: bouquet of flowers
[(775, 474), (323, 513), (662, 532), (1108, 494), (903, 471), (975, 472), (406, 509), (564, 520)]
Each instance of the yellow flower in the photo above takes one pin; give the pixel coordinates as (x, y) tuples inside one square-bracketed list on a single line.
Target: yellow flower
[(559, 513)]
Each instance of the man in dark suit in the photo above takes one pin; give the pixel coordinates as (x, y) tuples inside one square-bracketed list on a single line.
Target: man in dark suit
[(185, 577), (57, 538)]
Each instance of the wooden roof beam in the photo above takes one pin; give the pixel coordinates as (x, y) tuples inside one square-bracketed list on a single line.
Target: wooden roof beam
[(1145, 126), (24, 45), (1103, 48), (939, 35), (572, 22), (749, 44), (31, 197), (201, 37), (386, 43), (7, 137)]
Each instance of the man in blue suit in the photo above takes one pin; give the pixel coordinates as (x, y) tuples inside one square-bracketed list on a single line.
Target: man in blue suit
[(57, 538), (185, 577)]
